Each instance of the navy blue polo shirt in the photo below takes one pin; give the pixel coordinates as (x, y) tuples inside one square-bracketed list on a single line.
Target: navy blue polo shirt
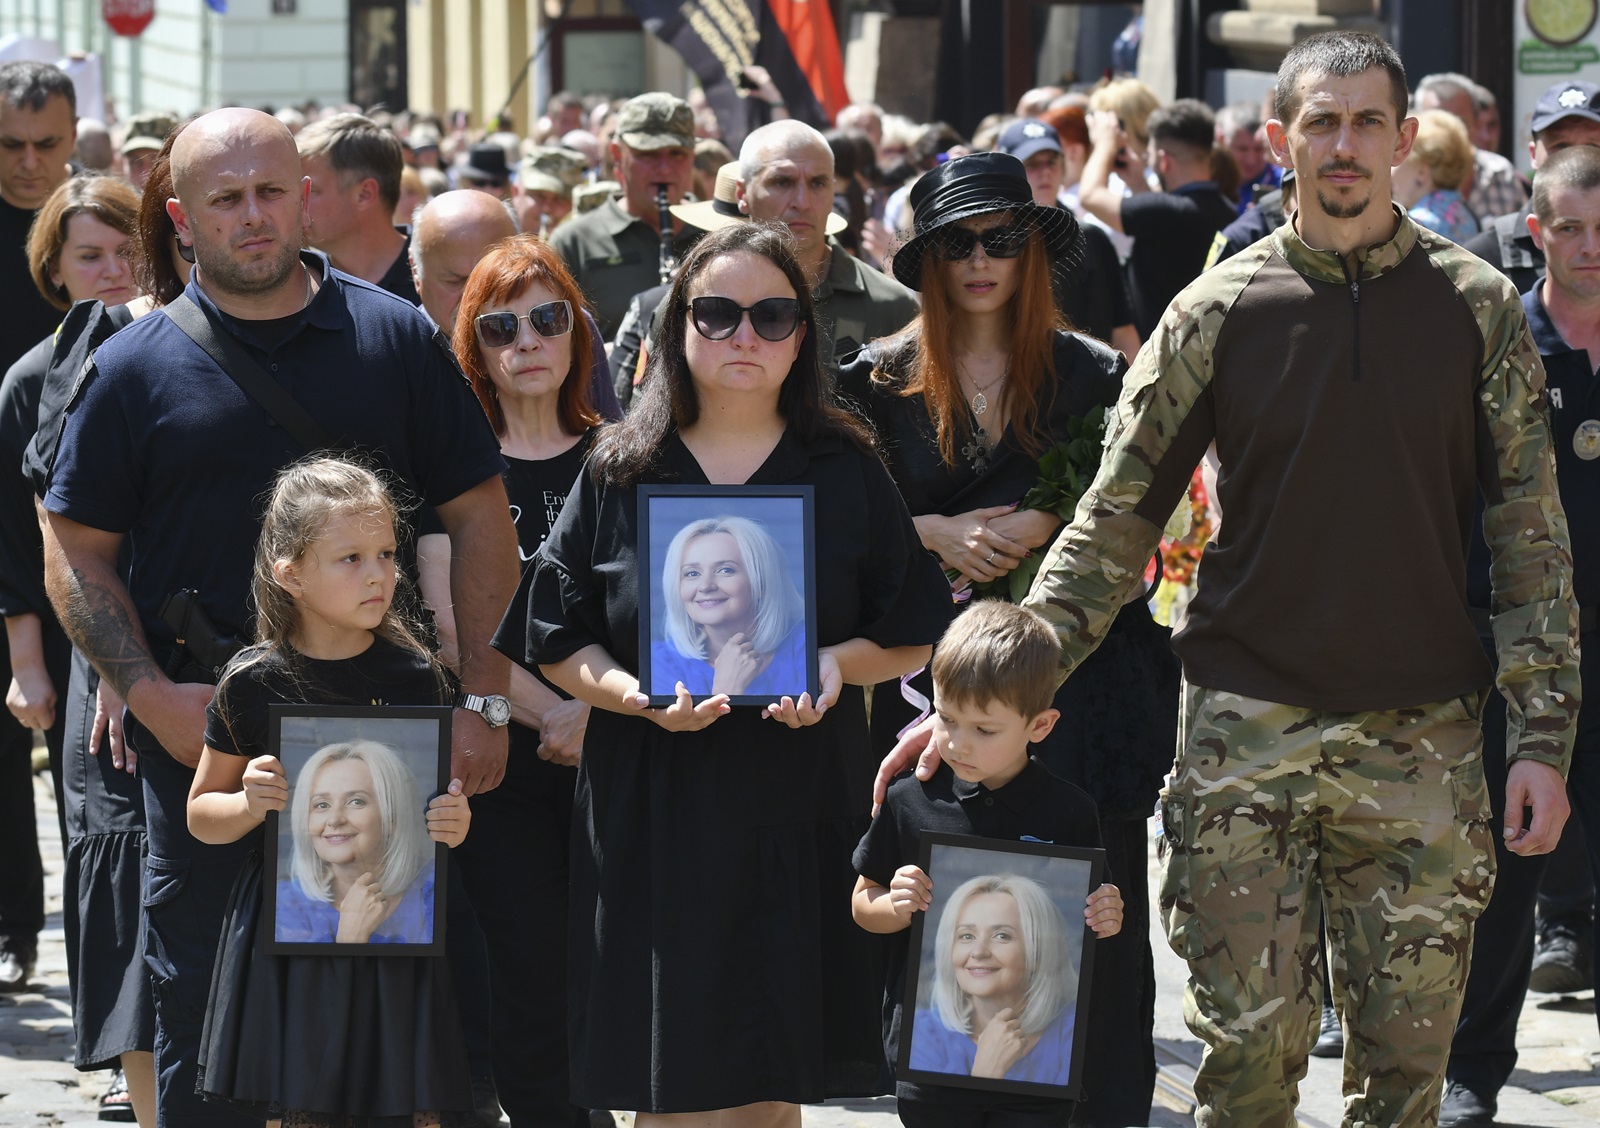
[(1574, 396), (1036, 804), (161, 445)]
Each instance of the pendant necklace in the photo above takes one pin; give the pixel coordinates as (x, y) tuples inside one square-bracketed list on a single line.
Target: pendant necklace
[(979, 401)]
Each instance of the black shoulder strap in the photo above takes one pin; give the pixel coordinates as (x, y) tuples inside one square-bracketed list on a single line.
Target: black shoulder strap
[(240, 367)]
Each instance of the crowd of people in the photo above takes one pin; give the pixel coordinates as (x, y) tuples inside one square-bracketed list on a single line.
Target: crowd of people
[(294, 398)]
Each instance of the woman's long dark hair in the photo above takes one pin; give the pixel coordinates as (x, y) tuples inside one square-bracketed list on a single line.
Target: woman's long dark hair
[(158, 279), (667, 401)]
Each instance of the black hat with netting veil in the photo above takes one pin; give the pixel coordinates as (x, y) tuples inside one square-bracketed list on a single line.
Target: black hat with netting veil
[(982, 184)]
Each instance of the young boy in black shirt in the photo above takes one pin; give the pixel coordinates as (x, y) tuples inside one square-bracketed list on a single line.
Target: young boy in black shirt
[(994, 676)]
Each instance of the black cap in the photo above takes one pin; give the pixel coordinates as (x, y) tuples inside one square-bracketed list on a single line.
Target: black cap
[(485, 164), (1564, 100), (1022, 139)]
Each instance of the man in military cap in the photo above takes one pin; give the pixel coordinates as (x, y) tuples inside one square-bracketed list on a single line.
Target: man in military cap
[(1330, 762), (1563, 311), (1566, 114), (147, 132), (614, 251), (543, 192)]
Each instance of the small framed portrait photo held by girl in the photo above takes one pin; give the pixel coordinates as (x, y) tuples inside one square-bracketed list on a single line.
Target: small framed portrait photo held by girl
[(352, 866), (997, 987), (727, 593)]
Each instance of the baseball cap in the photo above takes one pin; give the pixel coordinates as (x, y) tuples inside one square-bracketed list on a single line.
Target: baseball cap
[(547, 168), (1022, 139), (1563, 100), (656, 121), (148, 131)]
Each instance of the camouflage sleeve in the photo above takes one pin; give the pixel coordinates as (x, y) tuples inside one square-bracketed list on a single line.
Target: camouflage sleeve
[(1534, 612), (1156, 436)]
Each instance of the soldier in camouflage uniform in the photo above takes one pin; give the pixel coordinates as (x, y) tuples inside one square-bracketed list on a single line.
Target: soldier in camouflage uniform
[(1329, 754)]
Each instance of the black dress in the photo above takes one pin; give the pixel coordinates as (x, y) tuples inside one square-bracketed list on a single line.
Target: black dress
[(714, 960), (359, 1040), (1118, 726)]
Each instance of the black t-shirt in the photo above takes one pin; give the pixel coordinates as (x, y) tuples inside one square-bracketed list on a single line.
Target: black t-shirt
[(1036, 805), (28, 316), (397, 279), (1096, 301), (383, 674), (162, 446), (1172, 234), (21, 546)]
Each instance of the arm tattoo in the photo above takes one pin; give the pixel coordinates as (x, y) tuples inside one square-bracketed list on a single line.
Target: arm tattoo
[(101, 624)]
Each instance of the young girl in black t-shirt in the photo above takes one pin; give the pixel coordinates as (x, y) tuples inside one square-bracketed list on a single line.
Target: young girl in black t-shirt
[(323, 1040)]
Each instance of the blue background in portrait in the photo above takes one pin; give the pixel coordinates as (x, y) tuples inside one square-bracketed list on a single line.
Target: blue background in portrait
[(1067, 880), (415, 739), (782, 517)]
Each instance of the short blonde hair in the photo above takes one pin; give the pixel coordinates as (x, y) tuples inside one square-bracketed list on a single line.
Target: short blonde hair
[(777, 601), (1001, 652), (1132, 101), (407, 849), (1443, 147), (1052, 986)]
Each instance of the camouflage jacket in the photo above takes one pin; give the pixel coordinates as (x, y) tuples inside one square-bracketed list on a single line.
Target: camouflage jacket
[(1357, 407)]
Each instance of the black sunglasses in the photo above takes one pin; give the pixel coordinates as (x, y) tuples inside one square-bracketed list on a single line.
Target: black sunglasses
[(954, 243), (773, 319), (497, 330)]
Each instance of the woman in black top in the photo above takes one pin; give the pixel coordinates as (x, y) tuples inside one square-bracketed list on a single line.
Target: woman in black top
[(965, 402), (715, 965), (523, 342)]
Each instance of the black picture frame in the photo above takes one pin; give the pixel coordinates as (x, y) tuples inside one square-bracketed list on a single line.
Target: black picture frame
[(779, 526), (1046, 883), (406, 754)]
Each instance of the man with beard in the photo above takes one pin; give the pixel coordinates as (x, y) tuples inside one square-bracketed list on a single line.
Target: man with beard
[(164, 453), (1363, 380)]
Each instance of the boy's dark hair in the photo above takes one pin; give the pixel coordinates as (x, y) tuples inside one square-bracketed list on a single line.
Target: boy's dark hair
[(1187, 123), (1575, 167), (998, 652), (28, 86), (1340, 54)]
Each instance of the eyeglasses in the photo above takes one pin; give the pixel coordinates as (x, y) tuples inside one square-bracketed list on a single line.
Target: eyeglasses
[(773, 319), (954, 243), (497, 330)]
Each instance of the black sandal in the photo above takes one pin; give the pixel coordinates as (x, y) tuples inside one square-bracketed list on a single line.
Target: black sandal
[(116, 1103)]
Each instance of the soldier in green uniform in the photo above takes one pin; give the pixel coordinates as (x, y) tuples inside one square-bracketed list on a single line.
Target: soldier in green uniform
[(614, 250), (1363, 380)]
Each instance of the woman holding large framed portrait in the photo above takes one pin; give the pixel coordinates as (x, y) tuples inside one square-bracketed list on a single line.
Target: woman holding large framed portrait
[(989, 413), (718, 971)]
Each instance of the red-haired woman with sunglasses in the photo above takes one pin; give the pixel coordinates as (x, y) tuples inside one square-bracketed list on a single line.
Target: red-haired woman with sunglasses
[(524, 343), (718, 968), (966, 400)]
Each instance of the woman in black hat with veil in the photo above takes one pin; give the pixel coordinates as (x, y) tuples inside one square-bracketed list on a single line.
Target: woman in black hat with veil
[(967, 401)]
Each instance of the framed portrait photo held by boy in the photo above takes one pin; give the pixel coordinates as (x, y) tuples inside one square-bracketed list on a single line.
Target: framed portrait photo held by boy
[(727, 593), (1000, 967), (352, 866)]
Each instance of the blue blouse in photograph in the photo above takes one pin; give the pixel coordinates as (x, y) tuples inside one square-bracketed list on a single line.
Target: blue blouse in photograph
[(304, 920), (938, 1049), (785, 674)]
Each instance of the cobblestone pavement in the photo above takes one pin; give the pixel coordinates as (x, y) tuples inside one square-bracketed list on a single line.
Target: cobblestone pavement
[(1555, 1086)]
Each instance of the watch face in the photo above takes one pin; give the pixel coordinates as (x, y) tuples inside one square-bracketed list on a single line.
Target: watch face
[(496, 710)]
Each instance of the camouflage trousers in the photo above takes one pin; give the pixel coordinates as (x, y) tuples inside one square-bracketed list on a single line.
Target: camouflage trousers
[(1277, 814)]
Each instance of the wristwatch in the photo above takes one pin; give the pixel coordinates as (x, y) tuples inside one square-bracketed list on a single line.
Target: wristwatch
[(494, 709)]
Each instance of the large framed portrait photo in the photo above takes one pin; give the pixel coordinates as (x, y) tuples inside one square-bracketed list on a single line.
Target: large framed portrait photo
[(351, 864), (727, 598), (1000, 967)]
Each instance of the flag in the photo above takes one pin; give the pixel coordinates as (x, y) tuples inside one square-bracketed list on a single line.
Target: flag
[(795, 40)]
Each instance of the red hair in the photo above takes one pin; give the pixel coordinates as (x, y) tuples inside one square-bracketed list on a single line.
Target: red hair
[(1033, 321), (511, 266)]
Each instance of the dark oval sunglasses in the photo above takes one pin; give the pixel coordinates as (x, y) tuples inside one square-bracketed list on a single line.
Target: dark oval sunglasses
[(954, 243), (717, 319), (497, 330)]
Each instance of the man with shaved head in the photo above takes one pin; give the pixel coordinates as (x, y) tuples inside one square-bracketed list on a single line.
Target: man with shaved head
[(165, 454)]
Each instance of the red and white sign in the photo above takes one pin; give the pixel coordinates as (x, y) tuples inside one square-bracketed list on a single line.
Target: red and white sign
[(128, 17)]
